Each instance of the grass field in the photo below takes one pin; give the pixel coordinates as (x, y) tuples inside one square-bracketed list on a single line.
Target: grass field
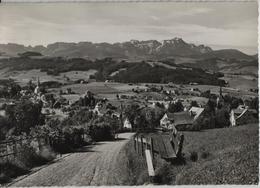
[(232, 156), (23, 77), (242, 82)]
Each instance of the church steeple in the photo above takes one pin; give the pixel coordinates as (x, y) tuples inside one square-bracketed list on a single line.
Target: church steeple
[(38, 81), (220, 92), (220, 99), (37, 88)]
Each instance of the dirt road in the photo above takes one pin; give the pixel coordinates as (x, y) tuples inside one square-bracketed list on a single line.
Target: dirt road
[(89, 166)]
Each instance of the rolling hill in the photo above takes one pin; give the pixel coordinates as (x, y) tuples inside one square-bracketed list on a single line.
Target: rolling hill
[(109, 69)]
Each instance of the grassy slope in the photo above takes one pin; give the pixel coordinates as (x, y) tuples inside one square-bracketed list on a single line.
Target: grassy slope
[(233, 156), (230, 157)]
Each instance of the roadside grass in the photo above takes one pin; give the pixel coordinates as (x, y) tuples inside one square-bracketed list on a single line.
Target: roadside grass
[(216, 156), (135, 164), (23, 162)]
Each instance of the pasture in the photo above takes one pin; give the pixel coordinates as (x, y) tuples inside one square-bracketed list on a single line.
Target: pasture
[(23, 77), (242, 82)]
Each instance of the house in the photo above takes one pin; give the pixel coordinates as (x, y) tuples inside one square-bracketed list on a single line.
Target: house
[(182, 120), (167, 121), (178, 120), (242, 116), (196, 112), (99, 109), (127, 124), (242, 107)]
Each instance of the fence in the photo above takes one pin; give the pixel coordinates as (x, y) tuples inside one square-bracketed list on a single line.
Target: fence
[(167, 148), (10, 148)]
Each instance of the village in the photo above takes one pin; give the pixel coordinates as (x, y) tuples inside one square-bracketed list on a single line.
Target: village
[(81, 113), (177, 106), (129, 94)]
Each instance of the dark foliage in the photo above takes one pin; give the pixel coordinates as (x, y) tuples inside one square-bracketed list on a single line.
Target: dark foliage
[(24, 115), (175, 107), (194, 156), (194, 103)]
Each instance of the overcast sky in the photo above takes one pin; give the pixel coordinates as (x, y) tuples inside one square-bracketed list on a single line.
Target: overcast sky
[(219, 25)]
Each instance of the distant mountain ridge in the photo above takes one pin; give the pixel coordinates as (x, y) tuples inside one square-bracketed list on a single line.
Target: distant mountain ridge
[(133, 49)]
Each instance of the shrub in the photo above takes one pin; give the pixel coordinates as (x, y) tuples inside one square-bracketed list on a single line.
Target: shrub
[(101, 132), (194, 156), (9, 170), (205, 154), (23, 162), (46, 154), (28, 158), (163, 175)]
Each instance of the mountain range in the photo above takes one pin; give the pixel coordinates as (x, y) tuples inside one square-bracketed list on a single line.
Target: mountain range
[(134, 49), (175, 51)]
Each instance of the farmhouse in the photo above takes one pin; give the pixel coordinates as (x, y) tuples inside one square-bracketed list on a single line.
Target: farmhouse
[(167, 121), (178, 120), (195, 112), (243, 116), (182, 120)]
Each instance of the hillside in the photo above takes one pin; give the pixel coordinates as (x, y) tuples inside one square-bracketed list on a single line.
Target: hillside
[(227, 54), (225, 156), (232, 156), (120, 71), (226, 65)]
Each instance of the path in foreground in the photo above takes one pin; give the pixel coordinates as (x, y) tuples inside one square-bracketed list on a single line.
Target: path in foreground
[(95, 166)]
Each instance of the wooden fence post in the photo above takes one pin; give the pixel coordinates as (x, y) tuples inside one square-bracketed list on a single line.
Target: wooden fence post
[(152, 147), (135, 142), (180, 146), (14, 147), (149, 161), (142, 147)]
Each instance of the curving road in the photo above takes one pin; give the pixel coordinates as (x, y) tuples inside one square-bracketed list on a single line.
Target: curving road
[(90, 166)]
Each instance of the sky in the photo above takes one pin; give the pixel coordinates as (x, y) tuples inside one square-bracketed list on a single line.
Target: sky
[(219, 25)]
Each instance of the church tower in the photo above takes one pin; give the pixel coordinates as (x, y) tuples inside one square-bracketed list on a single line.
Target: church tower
[(220, 99), (37, 89)]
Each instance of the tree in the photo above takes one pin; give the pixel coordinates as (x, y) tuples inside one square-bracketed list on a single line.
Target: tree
[(205, 94), (103, 128), (14, 90), (254, 104), (175, 107), (194, 103), (131, 112), (25, 115), (211, 106), (222, 118)]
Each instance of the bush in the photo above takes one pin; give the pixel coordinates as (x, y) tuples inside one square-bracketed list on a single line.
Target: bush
[(101, 132), (163, 175), (9, 170), (205, 154), (194, 156), (28, 158)]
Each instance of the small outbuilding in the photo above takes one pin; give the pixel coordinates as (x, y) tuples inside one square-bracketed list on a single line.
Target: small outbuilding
[(241, 116), (127, 124)]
